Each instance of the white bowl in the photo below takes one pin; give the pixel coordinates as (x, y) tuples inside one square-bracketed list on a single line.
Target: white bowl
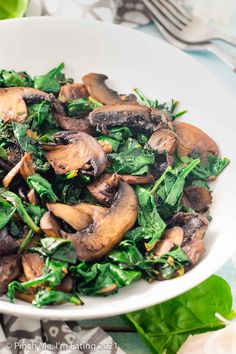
[(132, 59)]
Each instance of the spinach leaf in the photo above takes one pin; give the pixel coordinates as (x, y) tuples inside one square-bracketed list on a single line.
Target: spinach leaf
[(102, 278), (40, 114), (6, 212), (149, 219), (42, 187), (50, 82), (54, 272), (48, 297), (10, 78), (12, 8), (113, 142), (3, 154), (18, 205), (81, 106), (57, 248), (170, 109), (30, 145), (120, 133), (166, 326), (178, 185), (135, 161)]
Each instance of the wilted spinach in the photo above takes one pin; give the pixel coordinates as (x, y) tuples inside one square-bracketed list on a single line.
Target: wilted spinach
[(49, 297), (6, 212), (42, 187), (57, 248), (51, 82), (81, 106), (10, 78), (40, 115)]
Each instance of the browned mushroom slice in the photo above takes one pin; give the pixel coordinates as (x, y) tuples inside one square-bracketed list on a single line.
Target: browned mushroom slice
[(32, 265), (12, 102), (192, 139), (78, 216), (84, 149), (132, 115), (194, 227), (7, 243), (9, 270), (32, 197), (49, 225), (97, 88), (163, 140), (107, 230), (172, 237), (72, 92), (197, 198), (104, 188), (66, 284), (25, 167)]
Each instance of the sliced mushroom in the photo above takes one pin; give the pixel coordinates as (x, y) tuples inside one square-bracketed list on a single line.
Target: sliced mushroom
[(104, 188), (192, 139), (82, 149), (32, 197), (97, 88), (135, 116), (194, 226), (9, 270), (25, 167), (106, 147), (66, 284), (163, 140), (49, 225), (7, 243), (107, 230), (172, 237), (68, 123), (12, 102), (32, 265), (72, 92), (78, 216), (197, 198)]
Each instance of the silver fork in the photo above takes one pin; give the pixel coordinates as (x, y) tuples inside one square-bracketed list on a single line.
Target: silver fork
[(182, 24), (229, 59)]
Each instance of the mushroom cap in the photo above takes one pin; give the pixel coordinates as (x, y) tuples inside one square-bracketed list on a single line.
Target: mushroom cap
[(10, 268), (197, 198), (32, 265), (49, 225), (12, 102), (72, 92), (82, 149), (107, 230), (163, 140), (192, 139), (136, 116), (78, 216), (97, 88)]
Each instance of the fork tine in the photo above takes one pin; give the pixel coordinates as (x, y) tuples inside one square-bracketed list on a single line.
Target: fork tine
[(181, 10), (172, 27), (167, 11), (170, 9)]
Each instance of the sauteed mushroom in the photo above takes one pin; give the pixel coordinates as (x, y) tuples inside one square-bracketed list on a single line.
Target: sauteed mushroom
[(82, 149), (72, 92), (49, 225), (103, 188), (97, 88), (163, 140), (7, 243), (132, 115), (12, 102), (32, 265), (192, 139), (194, 227), (105, 232), (9, 270), (197, 198), (78, 216)]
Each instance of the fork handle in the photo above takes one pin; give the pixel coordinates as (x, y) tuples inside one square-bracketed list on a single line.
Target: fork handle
[(228, 58), (226, 38)]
